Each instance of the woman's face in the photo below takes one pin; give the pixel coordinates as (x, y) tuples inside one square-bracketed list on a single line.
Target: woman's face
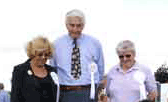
[(41, 56), (127, 58)]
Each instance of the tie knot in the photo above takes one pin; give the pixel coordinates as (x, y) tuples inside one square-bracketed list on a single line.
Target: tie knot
[(74, 41)]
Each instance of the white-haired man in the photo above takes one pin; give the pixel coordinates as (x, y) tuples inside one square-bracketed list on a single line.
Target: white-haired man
[(130, 81), (75, 53)]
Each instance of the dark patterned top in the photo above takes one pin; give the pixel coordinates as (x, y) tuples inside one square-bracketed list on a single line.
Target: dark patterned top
[(30, 88)]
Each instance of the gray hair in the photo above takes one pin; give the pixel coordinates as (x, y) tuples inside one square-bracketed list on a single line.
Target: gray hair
[(74, 13), (125, 45)]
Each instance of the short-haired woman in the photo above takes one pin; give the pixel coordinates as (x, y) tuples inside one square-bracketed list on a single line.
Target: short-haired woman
[(32, 81), (129, 81)]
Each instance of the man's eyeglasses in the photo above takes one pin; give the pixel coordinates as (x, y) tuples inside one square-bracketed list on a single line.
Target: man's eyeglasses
[(122, 56)]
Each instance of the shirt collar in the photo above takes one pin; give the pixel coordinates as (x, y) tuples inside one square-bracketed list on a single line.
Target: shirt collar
[(134, 67), (78, 40)]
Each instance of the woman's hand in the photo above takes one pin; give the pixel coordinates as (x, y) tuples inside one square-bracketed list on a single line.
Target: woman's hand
[(152, 96)]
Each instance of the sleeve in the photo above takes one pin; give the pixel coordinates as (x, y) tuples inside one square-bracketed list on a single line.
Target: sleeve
[(100, 62), (16, 95), (53, 59), (150, 82)]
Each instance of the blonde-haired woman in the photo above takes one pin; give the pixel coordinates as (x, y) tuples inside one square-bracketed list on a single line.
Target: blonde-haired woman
[(32, 81)]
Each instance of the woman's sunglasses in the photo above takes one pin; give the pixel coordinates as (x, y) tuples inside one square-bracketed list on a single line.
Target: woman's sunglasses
[(122, 56)]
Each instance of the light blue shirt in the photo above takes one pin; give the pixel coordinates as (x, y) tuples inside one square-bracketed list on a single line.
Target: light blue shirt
[(4, 97), (89, 48), (125, 87)]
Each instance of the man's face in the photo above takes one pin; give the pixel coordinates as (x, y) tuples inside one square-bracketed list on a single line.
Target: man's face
[(127, 58), (74, 26)]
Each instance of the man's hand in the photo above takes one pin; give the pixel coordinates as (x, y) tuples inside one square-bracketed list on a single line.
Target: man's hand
[(103, 98)]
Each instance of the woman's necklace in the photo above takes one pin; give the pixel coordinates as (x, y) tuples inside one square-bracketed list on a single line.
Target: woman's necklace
[(39, 71)]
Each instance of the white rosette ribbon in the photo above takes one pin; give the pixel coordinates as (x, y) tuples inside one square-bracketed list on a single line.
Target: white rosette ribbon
[(92, 90), (140, 77), (54, 77)]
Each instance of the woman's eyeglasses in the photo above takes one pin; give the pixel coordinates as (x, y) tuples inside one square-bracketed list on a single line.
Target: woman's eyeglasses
[(122, 56), (41, 54)]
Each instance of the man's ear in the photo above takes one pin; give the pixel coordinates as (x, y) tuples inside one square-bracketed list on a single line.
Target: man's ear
[(67, 26), (83, 25), (134, 53)]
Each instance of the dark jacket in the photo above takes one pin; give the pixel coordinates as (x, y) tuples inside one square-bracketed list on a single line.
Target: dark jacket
[(19, 91)]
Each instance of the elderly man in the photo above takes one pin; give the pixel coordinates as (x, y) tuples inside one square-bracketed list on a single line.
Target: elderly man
[(129, 81), (80, 61)]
